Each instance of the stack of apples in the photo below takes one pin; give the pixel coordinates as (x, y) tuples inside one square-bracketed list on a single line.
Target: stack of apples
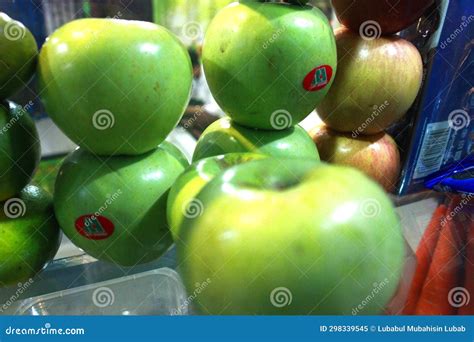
[(29, 232), (258, 219), (379, 76), (117, 88)]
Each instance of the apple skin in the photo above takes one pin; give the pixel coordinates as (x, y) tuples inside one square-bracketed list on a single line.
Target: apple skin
[(225, 136), (376, 155), (384, 73), (30, 238), (188, 185), (18, 56), (392, 15), (130, 79), (325, 233), (257, 56), (20, 149), (132, 189)]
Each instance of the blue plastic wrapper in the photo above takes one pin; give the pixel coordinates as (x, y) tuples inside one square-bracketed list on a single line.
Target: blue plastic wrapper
[(443, 132)]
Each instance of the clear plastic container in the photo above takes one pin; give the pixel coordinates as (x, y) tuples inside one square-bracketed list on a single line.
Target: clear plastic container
[(156, 292)]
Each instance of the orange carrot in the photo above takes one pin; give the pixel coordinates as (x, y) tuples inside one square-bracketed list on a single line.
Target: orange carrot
[(424, 255), (446, 270)]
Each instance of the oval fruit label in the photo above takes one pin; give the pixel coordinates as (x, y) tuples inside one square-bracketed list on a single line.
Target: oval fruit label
[(318, 78), (94, 227)]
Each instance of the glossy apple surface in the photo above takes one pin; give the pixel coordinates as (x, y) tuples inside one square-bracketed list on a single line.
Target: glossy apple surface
[(29, 235), (225, 136), (18, 56), (291, 237), (20, 150), (391, 15), (375, 155), (181, 199), (115, 86), (268, 65), (376, 84), (114, 208)]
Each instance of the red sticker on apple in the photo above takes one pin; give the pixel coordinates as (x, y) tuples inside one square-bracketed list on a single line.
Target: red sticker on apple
[(94, 227), (318, 78)]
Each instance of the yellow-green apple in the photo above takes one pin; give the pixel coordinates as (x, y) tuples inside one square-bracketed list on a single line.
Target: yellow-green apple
[(377, 82), (114, 208), (226, 136), (18, 56), (29, 235), (377, 17), (20, 150), (269, 64), (375, 155), (291, 236), (114, 86), (182, 197)]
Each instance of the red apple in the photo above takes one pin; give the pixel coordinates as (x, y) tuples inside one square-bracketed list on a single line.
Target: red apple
[(376, 83), (387, 16), (376, 155)]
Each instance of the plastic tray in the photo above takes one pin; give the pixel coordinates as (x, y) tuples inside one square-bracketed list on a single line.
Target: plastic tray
[(157, 292)]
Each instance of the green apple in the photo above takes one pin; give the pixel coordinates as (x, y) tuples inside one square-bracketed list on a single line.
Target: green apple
[(225, 136), (29, 235), (376, 155), (268, 65), (292, 237), (18, 56), (20, 150), (115, 86), (181, 199), (114, 208), (377, 82)]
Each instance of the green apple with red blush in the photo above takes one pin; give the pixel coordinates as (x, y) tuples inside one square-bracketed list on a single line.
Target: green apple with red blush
[(375, 155), (377, 82)]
